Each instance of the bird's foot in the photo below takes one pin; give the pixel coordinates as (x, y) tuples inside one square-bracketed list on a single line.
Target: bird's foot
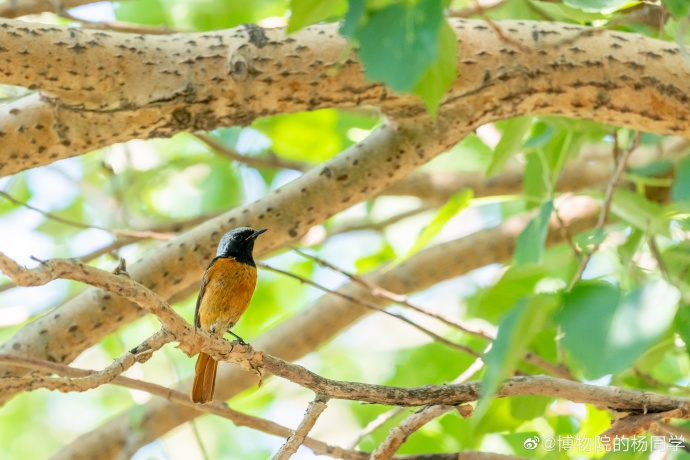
[(239, 339)]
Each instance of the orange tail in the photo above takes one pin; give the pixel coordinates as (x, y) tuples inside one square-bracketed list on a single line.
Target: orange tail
[(204, 379)]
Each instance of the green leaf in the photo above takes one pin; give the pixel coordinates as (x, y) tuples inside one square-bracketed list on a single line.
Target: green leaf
[(370, 262), (455, 204), (62, 231), (311, 136), (149, 12), (529, 407), (355, 12), (639, 212), (606, 330), (628, 250), (653, 168), (306, 12), (602, 6), (530, 243), (515, 332), (19, 190), (681, 325), (533, 180), (559, 266), (441, 73), (677, 8), (399, 43), (497, 418), (471, 154), (541, 134), (564, 146), (221, 189), (510, 143), (681, 186), (595, 422)]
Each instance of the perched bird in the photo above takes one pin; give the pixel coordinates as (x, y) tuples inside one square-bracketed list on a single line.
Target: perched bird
[(226, 289)]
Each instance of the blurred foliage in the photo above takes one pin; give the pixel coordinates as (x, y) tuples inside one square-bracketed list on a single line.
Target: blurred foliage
[(626, 322)]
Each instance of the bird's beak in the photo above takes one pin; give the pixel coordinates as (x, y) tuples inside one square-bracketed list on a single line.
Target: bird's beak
[(256, 233)]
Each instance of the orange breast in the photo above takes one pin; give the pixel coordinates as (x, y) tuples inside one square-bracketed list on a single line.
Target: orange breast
[(228, 290)]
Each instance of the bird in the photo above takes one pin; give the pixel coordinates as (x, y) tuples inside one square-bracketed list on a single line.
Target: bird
[(226, 289)]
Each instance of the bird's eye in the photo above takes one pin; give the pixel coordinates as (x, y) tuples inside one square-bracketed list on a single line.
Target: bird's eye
[(236, 237)]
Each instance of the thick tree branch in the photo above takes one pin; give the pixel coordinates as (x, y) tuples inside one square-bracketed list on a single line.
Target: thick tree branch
[(190, 82)]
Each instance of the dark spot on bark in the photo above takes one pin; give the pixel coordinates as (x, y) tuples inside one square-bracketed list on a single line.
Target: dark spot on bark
[(257, 35), (73, 328), (326, 172), (16, 346)]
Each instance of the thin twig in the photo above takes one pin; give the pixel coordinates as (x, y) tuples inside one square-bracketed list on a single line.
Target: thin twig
[(652, 381), (565, 233), (409, 425), (399, 299), (375, 424), (606, 206), (377, 226), (661, 265), (296, 439), (559, 370), (86, 382), (371, 306), (128, 233), (267, 161)]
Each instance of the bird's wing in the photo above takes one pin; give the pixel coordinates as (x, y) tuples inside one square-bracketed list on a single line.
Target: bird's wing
[(197, 324)]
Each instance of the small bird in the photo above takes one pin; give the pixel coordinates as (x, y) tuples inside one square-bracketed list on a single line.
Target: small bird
[(226, 289)]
